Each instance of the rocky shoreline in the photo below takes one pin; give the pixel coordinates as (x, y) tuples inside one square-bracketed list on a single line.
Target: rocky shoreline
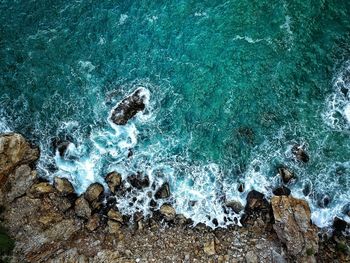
[(50, 223)]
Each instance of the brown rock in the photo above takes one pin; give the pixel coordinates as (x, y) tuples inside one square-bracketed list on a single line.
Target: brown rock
[(40, 189), (236, 206), (209, 248), (114, 181), (300, 153), (168, 212), (113, 226), (285, 174), (293, 227), (63, 186), (14, 151), (93, 223), (82, 208), (94, 192), (115, 215)]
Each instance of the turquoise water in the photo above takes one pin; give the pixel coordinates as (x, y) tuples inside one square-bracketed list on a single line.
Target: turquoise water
[(233, 85)]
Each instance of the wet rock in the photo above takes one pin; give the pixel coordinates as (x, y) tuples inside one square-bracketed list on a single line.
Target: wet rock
[(236, 206), (40, 189), (323, 201), (15, 151), (299, 153), (256, 201), (62, 148), (339, 225), (115, 215), (82, 208), (94, 192), (168, 212), (282, 190), (209, 248), (113, 226), (63, 186), (138, 216), (163, 192), (129, 107), (93, 223), (114, 181), (293, 227), (285, 174), (138, 181), (241, 188)]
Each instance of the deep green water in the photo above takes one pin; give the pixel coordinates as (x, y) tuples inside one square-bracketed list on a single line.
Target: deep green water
[(233, 85)]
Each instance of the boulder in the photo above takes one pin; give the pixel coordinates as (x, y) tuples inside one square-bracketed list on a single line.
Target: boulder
[(113, 226), (82, 208), (129, 107), (139, 181), (163, 192), (93, 222), (209, 248), (256, 201), (94, 192), (281, 190), (339, 225), (293, 227), (63, 186), (15, 151), (39, 189), (114, 181), (115, 215), (168, 212), (300, 154), (285, 174), (236, 206)]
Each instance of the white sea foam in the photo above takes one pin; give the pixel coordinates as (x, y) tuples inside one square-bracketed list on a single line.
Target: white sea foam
[(123, 18)]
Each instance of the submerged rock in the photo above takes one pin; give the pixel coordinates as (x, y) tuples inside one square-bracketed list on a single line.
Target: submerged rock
[(138, 181), (168, 212), (63, 186), (293, 227), (94, 192), (300, 153), (282, 190), (14, 151), (129, 107), (285, 174), (163, 192), (114, 181)]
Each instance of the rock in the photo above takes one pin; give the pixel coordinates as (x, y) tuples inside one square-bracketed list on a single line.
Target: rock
[(128, 107), (138, 216), (285, 174), (93, 222), (94, 192), (256, 201), (115, 215), (293, 227), (241, 188), (251, 257), (14, 151), (163, 192), (63, 186), (168, 212), (300, 153), (209, 248), (236, 206), (138, 181), (40, 189), (62, 147), (339, 225), (114, 181), (282, 190), (113, 226), (82, 208)]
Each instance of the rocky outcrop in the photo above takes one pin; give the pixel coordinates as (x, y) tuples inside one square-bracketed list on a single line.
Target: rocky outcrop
[(129, 107), (163, 192), (285, 174), (300, 154), (293, 227)]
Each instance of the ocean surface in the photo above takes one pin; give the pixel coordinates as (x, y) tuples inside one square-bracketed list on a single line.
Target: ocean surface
[(232, 86)]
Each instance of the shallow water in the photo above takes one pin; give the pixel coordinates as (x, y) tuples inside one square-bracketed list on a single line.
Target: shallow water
[(233, 85)]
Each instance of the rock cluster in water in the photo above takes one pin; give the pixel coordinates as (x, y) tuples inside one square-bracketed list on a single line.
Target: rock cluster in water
[(50, 223)]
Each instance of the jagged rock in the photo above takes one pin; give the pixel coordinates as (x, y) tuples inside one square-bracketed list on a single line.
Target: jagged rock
[(138, 216), (14, 151), (63, 186), (168, 212), (82, 208), (129, 107), (39, 189), (256, 201), (339, 225), (93, 223), (94, 192), (209, 248), (282, 190), (113, 226), (293, 227), (285, 174), (236, 206), (300, 154), (60, 202), (113, 180), (241, 188), (115, 215), (138, 181), (163, 192)]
